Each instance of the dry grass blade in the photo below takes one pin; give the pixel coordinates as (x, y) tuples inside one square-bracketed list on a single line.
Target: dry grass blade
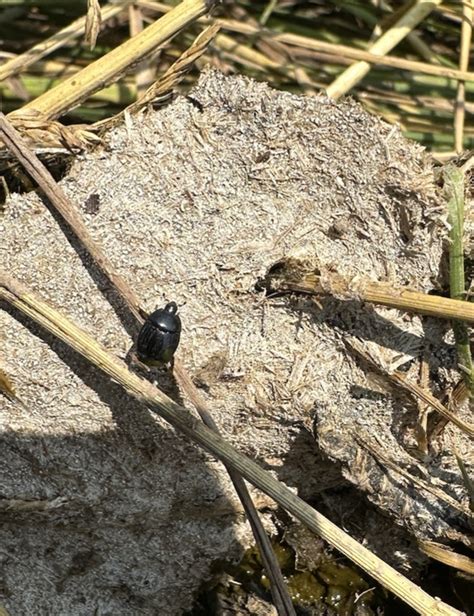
[(57, 40), (93, 22), (243, 54), (414, 301), (460, 110), (20, 298), (109, 68), (341, 52), (446, 556), (409, 20)]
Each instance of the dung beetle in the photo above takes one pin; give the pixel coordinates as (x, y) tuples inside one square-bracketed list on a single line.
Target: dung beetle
[(159, 336)]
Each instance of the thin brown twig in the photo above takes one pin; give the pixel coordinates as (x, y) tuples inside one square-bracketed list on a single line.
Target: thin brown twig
[(280, 595), (61, 204)]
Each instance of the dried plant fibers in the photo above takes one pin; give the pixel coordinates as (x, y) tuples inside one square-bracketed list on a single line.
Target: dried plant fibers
[(194, 203)]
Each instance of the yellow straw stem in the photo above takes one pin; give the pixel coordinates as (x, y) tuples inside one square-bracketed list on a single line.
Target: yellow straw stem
[(409, 20), (101, 73)]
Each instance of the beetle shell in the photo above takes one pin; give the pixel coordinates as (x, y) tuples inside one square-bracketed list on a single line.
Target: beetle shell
[(159, 336)]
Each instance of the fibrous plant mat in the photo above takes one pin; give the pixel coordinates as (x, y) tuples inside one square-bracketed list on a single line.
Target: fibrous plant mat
[(195, 203)]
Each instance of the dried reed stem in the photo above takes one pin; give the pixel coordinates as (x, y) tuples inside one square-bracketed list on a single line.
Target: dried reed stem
[(385, 294), (409, 20), (444, 555), (109, 68)]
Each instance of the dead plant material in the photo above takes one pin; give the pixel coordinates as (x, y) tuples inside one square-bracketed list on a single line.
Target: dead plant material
[(400, 380), (66, 209), (414, 13), (456, 398), (58, 39), (380, 456), (278, 587), (338, 53), (293, 274), (44, 134), (6, 386), (109, 68), (93, 22), (445, 555), (162, 90)]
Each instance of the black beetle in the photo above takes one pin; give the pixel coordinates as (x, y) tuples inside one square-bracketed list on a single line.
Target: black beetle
[(159, 336)]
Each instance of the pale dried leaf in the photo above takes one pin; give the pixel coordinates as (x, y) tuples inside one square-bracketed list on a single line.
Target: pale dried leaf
[(93, 22)]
